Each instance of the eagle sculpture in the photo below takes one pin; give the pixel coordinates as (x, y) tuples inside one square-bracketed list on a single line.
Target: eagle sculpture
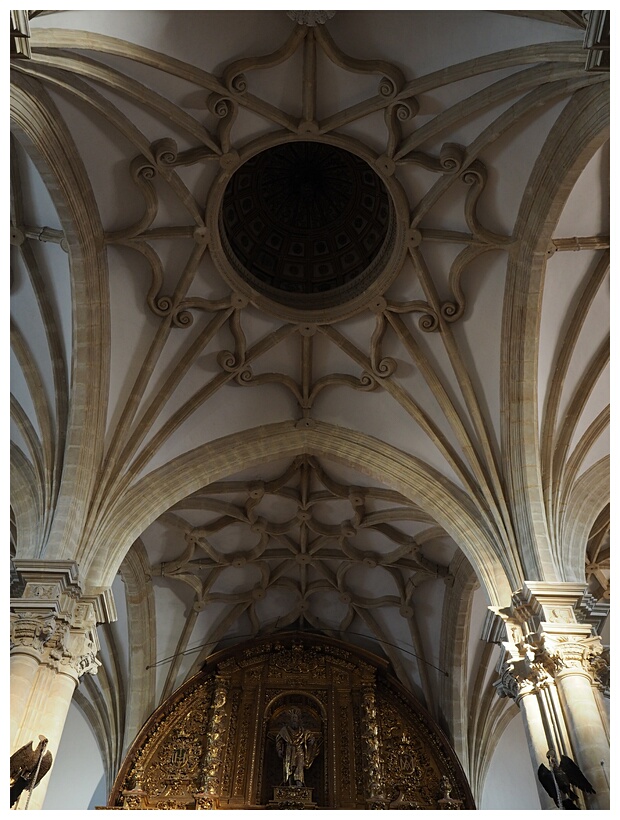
[(558, 780), (26, 765)]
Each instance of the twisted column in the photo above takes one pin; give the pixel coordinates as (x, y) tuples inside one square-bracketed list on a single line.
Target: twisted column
[(214, 754), (370, 747)]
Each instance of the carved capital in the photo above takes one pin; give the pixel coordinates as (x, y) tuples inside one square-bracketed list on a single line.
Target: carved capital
[(55, 621), (71, 650), (31, 629), (577, 653), (519, 677), (83, 648), (540, 660), (549, 634), (542, 654), (528, 666), (507, 686)]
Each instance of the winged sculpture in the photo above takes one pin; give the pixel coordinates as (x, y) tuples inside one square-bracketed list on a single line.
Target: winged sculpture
[(559, 779), (28, 767)]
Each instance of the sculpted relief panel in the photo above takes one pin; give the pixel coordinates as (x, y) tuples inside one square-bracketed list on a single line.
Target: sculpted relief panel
[(301, 722)]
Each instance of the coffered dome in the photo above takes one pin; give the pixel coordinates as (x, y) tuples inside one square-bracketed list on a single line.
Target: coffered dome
[(307, 224)]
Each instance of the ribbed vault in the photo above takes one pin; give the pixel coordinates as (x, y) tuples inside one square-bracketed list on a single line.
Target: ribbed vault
[(397, 460)]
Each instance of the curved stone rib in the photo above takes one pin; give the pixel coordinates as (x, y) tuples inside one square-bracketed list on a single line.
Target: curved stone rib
[(562, 363)]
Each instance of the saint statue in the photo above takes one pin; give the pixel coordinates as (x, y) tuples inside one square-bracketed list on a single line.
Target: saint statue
[(298, 747)]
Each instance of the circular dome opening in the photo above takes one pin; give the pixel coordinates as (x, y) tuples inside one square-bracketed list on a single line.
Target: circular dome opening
[(307, 224)]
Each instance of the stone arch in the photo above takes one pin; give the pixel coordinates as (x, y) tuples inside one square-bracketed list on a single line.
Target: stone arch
[(590, 494), (577, 134), (41, 130), (159, 490)]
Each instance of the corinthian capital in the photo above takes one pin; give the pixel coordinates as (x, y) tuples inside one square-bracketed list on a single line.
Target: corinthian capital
[(81, 656), (520, 676), (549, 634), (507, 686), (31, 629), (577, 653), (55, 621)]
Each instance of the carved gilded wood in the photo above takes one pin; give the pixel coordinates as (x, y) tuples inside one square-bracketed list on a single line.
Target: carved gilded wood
[(214, 743)]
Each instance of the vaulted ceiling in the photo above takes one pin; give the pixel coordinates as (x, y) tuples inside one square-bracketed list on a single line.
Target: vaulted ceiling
[(249, 463)]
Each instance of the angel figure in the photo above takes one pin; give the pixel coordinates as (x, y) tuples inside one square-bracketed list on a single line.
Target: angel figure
[(558, 780)]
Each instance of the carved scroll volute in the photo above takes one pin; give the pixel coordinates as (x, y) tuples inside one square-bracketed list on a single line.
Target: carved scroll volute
[(210, 776), (371, 758)]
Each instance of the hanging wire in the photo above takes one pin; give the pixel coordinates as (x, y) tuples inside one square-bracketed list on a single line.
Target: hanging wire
[(400, 647)]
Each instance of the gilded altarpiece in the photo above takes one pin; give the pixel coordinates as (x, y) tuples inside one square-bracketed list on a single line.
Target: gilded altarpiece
[(215, 743)]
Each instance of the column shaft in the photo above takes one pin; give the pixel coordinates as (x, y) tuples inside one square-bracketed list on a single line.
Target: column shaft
[(587, 732), (53, 643), (45, 714), (536, 740), (23, 674)]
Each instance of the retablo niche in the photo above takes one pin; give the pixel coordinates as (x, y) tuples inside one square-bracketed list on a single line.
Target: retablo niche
[(294, 721), (307, 224)]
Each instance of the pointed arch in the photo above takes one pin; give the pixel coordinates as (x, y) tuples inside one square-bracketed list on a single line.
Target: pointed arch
[(40, 128), (577, 134), (158, 491)]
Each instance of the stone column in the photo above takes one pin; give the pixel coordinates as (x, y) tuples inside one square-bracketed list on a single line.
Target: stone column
[(30, 629), (553, 648), (525, 686), (53, 643), (575, 681)]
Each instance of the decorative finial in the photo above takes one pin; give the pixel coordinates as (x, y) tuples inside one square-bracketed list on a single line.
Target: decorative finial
[(310, 18)]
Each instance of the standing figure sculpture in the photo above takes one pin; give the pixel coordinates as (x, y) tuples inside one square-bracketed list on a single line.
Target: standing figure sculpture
[(298, 748)]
